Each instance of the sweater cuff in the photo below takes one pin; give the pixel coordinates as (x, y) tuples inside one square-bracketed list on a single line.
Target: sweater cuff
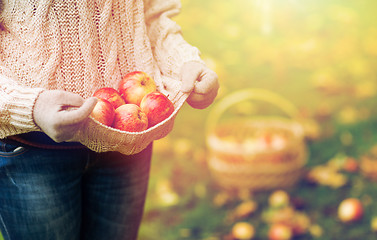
[(184, 53), (21, 109)]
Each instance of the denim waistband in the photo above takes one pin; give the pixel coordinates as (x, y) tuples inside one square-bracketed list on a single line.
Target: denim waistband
[(41, 140)]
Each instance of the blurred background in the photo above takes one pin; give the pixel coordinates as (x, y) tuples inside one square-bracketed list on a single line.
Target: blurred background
[(320, 56)]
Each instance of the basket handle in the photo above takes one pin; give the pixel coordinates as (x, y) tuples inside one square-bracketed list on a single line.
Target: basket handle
[(251, 93)]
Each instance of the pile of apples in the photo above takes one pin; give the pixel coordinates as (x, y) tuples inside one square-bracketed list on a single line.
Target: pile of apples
[(135, 106)]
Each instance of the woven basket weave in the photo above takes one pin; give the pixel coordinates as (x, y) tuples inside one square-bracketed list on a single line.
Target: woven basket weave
[(237, 160), (101, 138)]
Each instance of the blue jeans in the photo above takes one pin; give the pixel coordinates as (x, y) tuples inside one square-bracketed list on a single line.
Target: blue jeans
[(71, 194)]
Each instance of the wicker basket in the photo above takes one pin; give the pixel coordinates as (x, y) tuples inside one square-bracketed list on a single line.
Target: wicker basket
[(101, 138), (257, 152)]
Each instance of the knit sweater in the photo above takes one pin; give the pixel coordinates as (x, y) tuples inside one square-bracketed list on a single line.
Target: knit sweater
[(81, 46)]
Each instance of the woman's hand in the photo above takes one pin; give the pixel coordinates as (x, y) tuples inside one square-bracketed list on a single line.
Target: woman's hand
[(201, 82), (60, 113)]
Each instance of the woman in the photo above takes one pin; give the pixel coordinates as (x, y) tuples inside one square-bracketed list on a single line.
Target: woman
[(53, 55)]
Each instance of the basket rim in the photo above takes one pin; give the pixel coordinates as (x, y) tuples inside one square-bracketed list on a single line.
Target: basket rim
[(293, 127), (238, 96)]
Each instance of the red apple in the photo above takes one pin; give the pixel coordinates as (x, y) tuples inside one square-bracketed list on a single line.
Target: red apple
[(157, 107), (103, 112), (350, 209), (351, 165), (280, 231), (135, 85), (111, 95), (129, 117)]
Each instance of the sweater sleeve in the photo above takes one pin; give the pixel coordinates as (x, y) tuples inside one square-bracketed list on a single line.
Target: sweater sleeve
[(170, 49), (16, 108)]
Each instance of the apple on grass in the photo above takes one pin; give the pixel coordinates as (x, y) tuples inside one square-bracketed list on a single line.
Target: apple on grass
[(279, 231), (135, 85), (129, 117), (373, 223), (350, 210), (279, 198), (110, 94), (243, 231), (103, 112), (157, 107)]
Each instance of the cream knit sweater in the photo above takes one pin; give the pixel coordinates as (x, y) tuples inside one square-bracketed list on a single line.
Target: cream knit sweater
[(80, 46)]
